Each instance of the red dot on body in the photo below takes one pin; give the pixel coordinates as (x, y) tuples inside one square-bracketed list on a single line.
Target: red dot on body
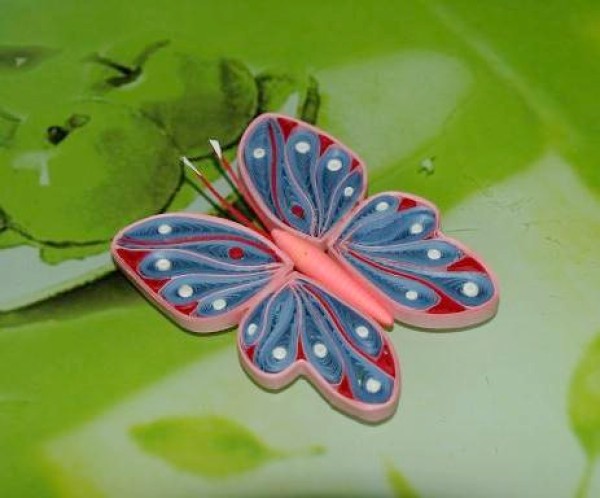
[(297, 211), (236, 253)]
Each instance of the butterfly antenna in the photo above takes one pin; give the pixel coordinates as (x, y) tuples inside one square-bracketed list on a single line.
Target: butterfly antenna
[(233, 179), (226, 205), (227, 171), (225, 164)]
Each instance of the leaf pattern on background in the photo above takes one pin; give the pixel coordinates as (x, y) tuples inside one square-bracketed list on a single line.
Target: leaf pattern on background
[(210, 446), (401, 488), (584, 409)]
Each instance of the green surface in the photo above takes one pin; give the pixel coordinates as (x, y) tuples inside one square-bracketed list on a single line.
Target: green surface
[(488, 109)]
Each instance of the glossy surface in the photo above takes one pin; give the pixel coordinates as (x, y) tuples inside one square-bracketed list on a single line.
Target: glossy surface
[(486, 110)]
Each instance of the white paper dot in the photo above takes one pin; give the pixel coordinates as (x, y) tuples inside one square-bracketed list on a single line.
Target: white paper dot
[(279, 353), (320, 350), (165, 229), (348, 191), (334, 165), (434, 254), (416, 228), (470, 289), (185, 291), (411, 295), (259, 153), (302, 147), (162, 264), (219, 304), (382, 206), (252, 328), (362, 331), (373, 385)]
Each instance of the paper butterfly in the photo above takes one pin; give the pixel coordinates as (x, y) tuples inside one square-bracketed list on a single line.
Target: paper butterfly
[(312, 294)]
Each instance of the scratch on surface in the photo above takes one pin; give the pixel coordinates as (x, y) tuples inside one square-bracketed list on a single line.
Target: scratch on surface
[(553, 240), (538, 223)]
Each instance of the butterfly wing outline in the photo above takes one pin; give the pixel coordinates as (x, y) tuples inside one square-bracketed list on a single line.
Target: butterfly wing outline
[(393, 244), (208, 274), (203, 272), (297, 177), (303, 330)]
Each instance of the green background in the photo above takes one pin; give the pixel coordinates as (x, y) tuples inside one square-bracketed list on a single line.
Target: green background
[(489, 109)]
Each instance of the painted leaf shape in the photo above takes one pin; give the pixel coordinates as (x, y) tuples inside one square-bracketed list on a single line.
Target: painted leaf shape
[(584, 400), (210, 446), (289, 93), (401, 488)]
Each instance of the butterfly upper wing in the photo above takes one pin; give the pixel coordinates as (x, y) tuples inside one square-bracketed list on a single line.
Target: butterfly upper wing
[(303, 330), (204, 272), (393, 244), (297, 177)]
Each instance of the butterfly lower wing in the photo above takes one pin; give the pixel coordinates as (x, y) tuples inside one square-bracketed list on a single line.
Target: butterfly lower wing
[(297, 177), (203, 272), (302, 330), (392, 243)]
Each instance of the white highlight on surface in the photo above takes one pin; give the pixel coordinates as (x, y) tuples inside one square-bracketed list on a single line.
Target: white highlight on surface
[(416, 228), (470, 289), (36, 160), (334, 165), (320, 350), (372, 385), (362, 331), (219, 304), (259, 153), (302, 147), (162, 264), (165, 229), (279, 353), (348, 191), (434, 254), (382, 206), (216, 146), (185, 291), (252, 328), (411, 295)]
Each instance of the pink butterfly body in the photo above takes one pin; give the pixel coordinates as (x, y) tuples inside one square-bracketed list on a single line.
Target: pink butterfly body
[(310, 300)]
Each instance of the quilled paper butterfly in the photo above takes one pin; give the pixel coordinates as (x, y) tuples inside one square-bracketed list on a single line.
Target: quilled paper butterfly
[(313, 283)]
